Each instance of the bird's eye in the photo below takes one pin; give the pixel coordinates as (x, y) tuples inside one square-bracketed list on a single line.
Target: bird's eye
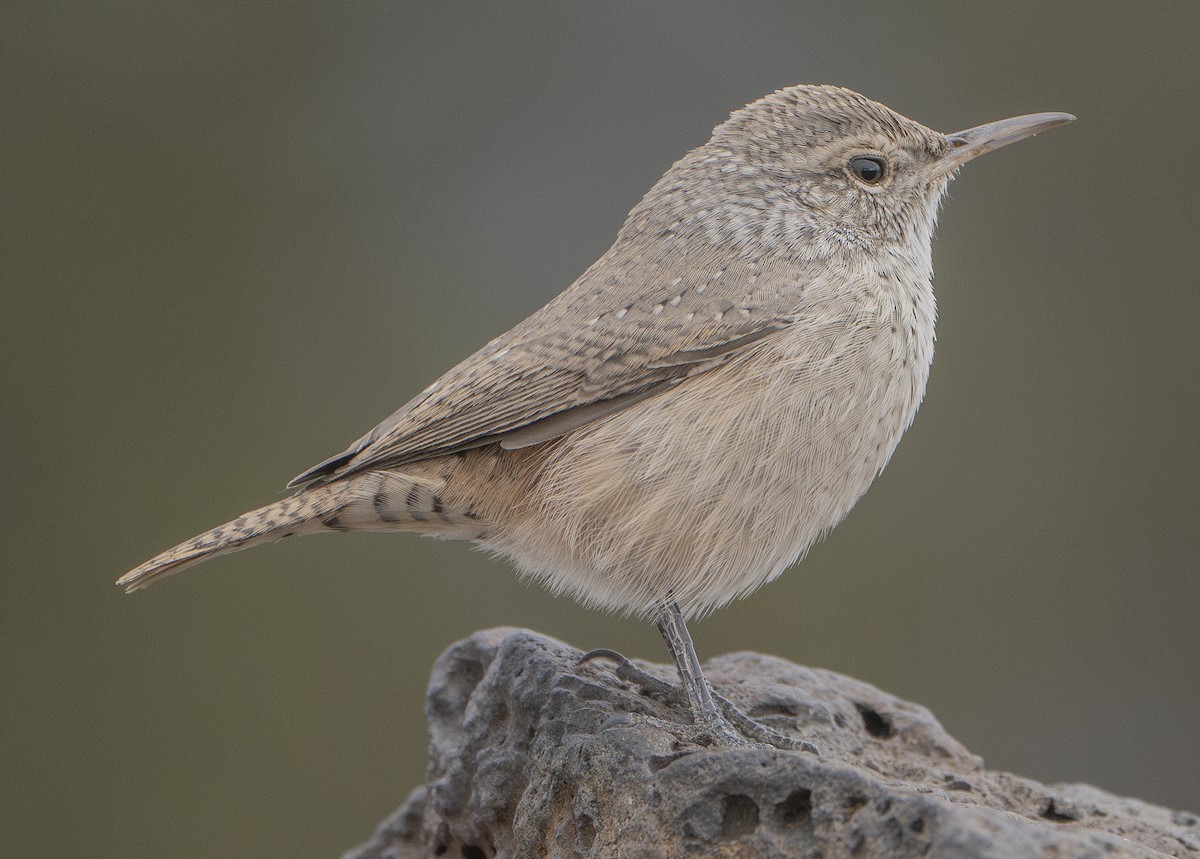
[(868, 169)]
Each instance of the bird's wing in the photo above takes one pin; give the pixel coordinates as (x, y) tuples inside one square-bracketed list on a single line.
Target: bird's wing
[(599, 347)]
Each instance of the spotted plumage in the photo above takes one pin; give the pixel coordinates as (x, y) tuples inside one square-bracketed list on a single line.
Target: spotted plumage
[(706, 401)]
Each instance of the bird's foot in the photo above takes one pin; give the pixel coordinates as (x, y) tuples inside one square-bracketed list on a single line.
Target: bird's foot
[(731, 728)]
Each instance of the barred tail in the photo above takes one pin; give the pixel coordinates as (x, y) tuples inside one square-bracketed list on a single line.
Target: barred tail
[(308, 512), (377, 501)]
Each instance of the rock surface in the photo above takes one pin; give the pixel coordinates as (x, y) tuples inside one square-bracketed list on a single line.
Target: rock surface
[(530, 757)]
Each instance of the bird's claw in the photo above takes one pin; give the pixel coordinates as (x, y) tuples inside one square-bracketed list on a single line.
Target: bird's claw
[(630, 673), (735, 730)]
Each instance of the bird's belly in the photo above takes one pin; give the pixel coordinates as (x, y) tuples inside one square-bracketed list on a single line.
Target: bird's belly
[(707, 492)]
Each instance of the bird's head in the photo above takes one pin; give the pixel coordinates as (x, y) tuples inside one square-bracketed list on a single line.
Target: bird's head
[(845, 168)]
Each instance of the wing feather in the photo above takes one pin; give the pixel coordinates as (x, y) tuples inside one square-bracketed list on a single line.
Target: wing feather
[(615, 337)]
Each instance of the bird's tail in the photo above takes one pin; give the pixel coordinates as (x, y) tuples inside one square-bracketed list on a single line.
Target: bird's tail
[(373, 502)]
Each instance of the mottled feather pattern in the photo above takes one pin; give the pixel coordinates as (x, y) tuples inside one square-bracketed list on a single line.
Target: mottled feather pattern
[(380, 501), (738, 470), (701, 405), (683, 275), (526, 376)]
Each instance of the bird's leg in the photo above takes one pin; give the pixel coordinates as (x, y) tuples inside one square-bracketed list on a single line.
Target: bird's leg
[(715, 719), (699, 694), (727, 725)]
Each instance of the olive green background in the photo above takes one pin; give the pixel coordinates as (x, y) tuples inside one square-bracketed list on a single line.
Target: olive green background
[(234, 237)]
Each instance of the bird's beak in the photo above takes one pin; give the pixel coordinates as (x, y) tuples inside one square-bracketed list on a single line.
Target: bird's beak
[(965, 145)]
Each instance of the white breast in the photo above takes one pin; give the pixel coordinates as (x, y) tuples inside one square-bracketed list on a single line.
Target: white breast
[(706, 492)]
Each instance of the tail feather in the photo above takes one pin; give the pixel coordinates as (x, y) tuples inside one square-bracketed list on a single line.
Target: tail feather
[(377, 501), (307, 512)]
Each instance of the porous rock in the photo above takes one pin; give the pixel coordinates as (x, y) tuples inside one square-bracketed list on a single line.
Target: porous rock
[(531, 756)]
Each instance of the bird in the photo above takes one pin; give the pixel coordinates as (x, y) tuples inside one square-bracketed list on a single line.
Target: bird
[(702, 405)]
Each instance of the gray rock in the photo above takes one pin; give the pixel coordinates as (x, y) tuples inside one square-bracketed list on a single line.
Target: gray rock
[(531, 757)]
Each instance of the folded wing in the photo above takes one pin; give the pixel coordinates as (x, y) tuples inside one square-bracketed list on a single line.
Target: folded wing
[(601, 346)]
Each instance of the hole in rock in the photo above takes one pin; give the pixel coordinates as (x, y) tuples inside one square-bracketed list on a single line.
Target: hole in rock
[(877, 725), (796, 808), (739, 816), (1058, 815)]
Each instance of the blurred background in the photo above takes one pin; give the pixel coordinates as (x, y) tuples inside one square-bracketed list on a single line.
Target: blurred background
[(235, 237)]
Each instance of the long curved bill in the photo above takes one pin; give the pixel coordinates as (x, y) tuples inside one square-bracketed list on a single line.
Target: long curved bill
[(965, 145)]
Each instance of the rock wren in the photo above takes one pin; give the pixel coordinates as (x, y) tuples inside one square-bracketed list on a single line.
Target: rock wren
[(705, 402)]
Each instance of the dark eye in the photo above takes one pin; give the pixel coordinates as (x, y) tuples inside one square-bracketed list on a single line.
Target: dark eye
[(868, 169)]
